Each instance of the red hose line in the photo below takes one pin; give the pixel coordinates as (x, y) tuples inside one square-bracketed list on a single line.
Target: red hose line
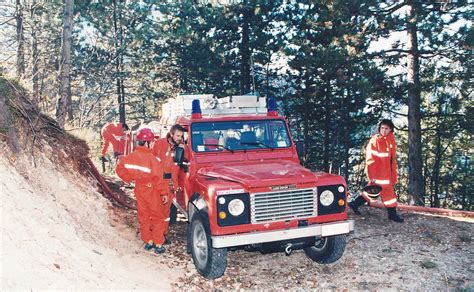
[(106, 187), (439, 211)]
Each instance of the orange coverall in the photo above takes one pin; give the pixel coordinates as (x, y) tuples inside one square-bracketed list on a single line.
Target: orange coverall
[(164, 152), (381, 166), (111, 134), (142, 167)]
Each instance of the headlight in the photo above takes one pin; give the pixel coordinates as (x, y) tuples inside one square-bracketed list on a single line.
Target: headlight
[(236, 207), (326, 198), (340, 189)]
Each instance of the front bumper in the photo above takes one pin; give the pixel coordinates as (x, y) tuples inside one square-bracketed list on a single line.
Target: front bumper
[(317, 230)]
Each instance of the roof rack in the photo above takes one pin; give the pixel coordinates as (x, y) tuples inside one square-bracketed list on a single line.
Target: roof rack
[(213, 106)]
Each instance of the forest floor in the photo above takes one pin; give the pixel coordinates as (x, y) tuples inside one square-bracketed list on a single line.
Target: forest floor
[(429, 253), (59, 233)]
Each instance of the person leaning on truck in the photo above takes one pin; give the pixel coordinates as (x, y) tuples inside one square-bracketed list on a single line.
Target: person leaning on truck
[(111, 133), (142, 167), (163, 149), (381, 167)]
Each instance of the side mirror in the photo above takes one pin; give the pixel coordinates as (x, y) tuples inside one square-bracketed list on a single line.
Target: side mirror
[(299, 148), (178, 155)]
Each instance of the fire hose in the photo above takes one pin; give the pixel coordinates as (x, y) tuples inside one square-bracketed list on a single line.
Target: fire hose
[(105, 187), (372, 191), (438, 211)]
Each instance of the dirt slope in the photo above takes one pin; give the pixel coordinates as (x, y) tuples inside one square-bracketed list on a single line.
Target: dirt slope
[(57, 234)]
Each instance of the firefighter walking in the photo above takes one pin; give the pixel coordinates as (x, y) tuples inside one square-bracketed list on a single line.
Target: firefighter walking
[(381, 167), (142, 167), (163, 149)]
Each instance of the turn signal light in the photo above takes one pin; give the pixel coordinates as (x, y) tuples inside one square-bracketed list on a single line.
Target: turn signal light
[(222, 215), (341, 202)]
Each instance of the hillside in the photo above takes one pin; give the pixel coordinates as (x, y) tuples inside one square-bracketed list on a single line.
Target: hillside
[(58, 232)]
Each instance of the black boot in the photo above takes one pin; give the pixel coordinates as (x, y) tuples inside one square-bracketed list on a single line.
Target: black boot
[(355, 204), (392, 215)]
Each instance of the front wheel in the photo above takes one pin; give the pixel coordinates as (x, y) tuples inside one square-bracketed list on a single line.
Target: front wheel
[(210, 262), (327, 250)]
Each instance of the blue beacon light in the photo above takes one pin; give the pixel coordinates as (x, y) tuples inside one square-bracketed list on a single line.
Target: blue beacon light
[(196, 112), (272, 107)]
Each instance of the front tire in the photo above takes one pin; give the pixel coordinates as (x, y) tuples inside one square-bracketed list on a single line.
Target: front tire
[(210, 262), (327, 250)]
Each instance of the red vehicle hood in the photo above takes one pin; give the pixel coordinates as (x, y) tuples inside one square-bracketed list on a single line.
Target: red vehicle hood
[(260, 174)]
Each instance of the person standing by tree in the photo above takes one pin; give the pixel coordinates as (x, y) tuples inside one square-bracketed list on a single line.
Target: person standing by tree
[(142, 167), (163, 149), (111, 134), (381, 166)]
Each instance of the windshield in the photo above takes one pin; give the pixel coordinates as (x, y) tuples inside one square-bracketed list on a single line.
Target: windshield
[(239, 135)]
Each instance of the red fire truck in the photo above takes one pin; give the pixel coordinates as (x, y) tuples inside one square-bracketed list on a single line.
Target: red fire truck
[(241, 185)]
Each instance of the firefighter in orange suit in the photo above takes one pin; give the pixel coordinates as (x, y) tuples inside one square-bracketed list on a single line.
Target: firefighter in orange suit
[(381, 169), (163, 149), (142, 167), (111, 134)]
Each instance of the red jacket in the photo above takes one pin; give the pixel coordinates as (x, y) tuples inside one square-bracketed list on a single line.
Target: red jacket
[(380, 160), (164, 151), (111, 133), (142, 167)]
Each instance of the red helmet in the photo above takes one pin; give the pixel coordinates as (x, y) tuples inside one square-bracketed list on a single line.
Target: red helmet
[(146, 135)]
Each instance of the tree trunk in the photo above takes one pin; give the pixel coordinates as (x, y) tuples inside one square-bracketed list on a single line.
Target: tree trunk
[(346, 134), (34, 53), (64, 101), (327, 125), (306, 125), (415, 175), (245, 50), (20, 37), (438, 156), (118, 43)]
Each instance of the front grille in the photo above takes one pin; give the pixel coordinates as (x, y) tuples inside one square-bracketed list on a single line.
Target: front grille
[(283, 205)]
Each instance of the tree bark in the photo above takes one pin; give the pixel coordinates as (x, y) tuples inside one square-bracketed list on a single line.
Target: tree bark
[(118, 42), (327, 125), (245, 49), (438, 161), (346, 134), (34, 53), (64, 100), (415, 175), (20, 37)]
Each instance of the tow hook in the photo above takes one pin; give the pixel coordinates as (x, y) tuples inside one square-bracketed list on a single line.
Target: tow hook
[(288, 249)]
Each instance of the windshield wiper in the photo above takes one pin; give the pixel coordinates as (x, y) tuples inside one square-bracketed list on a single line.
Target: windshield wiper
[(258, 144), (219, 146)]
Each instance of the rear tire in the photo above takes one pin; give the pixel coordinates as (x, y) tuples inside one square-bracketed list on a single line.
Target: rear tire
[(210, 262), (327, 250)]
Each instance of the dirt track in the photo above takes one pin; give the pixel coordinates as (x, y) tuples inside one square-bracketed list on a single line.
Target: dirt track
[(425, 253)]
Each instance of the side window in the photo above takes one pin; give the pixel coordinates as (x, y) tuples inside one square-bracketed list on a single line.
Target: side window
[(279, 135)]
